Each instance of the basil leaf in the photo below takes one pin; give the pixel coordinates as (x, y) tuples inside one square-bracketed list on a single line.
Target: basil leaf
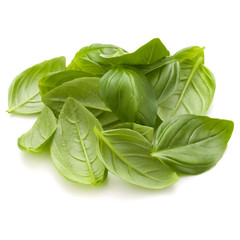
[(147, 54), (156, 65), (23, 94), (126, 154), (53, 80), (165, 80), (196, 82), (106, 118), (145, 131), (192, 144), (73, 148), (38, 138), (129, 95), (88, 59), (190, 53), (85, 90)]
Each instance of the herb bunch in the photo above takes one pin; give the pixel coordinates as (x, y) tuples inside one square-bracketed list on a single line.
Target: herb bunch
[(137, 115)]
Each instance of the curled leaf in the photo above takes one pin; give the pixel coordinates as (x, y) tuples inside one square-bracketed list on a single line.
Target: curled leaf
[(39, 137), (129, 95)]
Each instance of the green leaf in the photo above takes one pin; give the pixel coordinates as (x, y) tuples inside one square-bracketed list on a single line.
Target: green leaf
[(39, 137), (88, 58), (85, 90), (165, 80), (147, 54), (157, 123), (146, 131), (23, 94), (190, 53), (156, 65), (192, 144), (194, 93), (129, 95), (106, 118), (73, 148), (126, 154), (53, 80)]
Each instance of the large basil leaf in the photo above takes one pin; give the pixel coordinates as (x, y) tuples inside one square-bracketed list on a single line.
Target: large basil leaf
[(192, 144), (194, 93), (88, 59), (23, 94), (53, 80), (165, 80), (147, 54), (73, 149), (126, 154), (38, 138), (85, 90), (129, 95), (190, 53), (146, 131)]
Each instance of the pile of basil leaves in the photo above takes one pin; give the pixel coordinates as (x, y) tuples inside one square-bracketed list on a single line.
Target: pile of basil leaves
[(137, 115)]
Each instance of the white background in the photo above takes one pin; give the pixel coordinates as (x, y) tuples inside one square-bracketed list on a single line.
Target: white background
[(37, 203)]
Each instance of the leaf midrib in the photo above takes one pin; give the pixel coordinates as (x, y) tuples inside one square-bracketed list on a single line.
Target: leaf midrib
[(23, 103), (122, 159), (84, 148), (195, 66), (170, 149)]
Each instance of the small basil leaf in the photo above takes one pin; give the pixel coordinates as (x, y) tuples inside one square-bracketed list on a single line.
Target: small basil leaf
[(39, 137), (129, 95), (165, 80), (126, 154), (53, 80), (73, 149), (23, 94), (85, 90), (192, 144), (146, 131), (190, 53), (196, 82), (88, 58), (147, 54)]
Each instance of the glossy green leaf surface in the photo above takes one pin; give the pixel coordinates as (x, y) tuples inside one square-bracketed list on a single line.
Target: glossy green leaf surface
[(129, 95), (192, 144), (89, 59), (146, 131), (147, 54), (53, 80), (73, 149), (126, 154), (39, 137), (165, 80), (23, 94), (85, 90), (194, 93)]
